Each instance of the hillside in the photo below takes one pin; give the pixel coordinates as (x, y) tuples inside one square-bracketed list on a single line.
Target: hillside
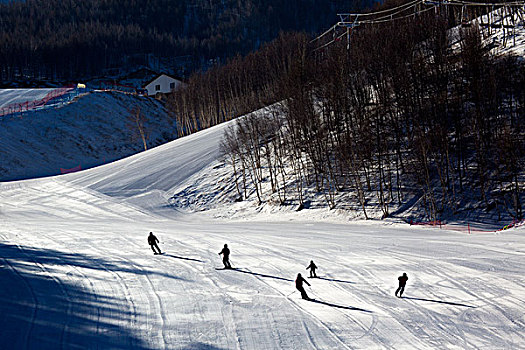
[(78, 40), (95, 128), (84, 137), (412, 119)]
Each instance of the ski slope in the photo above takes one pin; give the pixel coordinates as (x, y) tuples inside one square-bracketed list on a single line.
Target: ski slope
[(10, 96), (93, 129), (76, 271)]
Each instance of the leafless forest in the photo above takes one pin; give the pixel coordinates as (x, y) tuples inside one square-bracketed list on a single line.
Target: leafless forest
[(398, 112)]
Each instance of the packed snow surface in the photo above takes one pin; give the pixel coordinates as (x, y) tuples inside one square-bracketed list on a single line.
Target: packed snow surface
[(95, 128), (10, 96), (76, 271)]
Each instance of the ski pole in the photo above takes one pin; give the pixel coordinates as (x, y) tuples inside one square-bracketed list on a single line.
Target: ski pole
[(311, 291), (290, 293)]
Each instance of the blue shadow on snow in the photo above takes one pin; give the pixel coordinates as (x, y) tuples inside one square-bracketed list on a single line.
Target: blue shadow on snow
[(182, 258), (38, 311), (338, 306), (440, 302), (333, 280), (261, 274)]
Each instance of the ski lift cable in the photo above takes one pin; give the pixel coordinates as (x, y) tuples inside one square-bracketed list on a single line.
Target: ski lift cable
[(396, 13), (470, 3), (326, 32), (349, 16), (400, 9), (403, 7), (330, 42), (392, 14), (507, 3), (458, 3), (381, 19), (355, 22), (373, 21), (380, 12), (397, 18)]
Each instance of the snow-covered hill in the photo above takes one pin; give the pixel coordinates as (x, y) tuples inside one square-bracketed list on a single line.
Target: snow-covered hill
[(94, 129), (10, 96)]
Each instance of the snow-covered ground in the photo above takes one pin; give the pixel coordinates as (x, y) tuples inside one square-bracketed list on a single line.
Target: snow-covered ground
[(95, 128), (76, 271), (10, 96)]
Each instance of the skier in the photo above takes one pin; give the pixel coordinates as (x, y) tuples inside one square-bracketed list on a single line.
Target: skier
[(312, 268), (299, 285), (153, 240), (226, 257), (402, 283)]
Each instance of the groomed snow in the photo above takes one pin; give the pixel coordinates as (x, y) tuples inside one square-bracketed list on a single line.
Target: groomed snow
[(10, 96), (76, 271), (93, 129)]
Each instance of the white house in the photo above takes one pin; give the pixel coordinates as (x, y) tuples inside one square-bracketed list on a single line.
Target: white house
[(163, 84)]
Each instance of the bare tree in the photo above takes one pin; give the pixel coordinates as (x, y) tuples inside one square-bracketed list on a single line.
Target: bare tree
[(136, 124)]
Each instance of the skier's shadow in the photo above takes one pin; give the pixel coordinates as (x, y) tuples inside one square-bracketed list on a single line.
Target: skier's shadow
[(333, 280), (182, 258), (201, 346), (440, 302), (338, 306), (262, 275)]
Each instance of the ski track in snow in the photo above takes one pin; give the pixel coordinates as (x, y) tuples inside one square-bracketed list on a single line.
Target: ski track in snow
[(496, 294), (63, 290), (122, 286), (76, 255), (265, 264), (34, 301), (250, 254)]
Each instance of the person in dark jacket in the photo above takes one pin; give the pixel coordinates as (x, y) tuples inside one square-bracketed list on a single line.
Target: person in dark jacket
[(226, 257), (312, 268), (153, 240), (299, 285), (402, 283)]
